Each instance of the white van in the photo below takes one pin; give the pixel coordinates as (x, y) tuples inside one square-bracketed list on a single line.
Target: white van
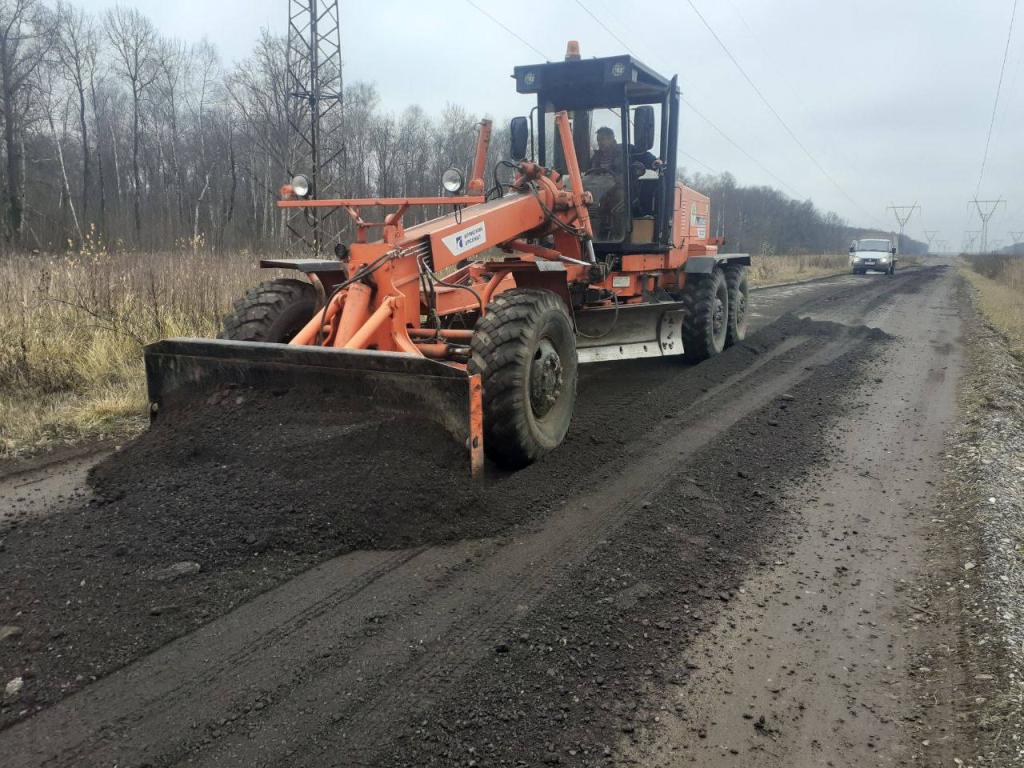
[(879, 255)]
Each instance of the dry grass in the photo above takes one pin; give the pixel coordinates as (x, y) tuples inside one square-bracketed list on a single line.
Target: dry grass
[(999, 285), (767, 270), (72, 330)]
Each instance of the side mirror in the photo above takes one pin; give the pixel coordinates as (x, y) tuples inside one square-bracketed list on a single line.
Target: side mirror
[(519, 130), (853, 248), (643, 128), (893, 251)]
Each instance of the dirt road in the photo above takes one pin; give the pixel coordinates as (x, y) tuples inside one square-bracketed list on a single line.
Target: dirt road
[(721, 567)]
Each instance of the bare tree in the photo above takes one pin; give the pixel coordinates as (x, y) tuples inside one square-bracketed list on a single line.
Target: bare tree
[(77, 51), (25, 39), (135, 44)]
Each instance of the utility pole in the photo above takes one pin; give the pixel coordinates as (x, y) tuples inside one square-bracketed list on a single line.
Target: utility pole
[(315, 110), (903, 214), (985, 210), (969, 237)]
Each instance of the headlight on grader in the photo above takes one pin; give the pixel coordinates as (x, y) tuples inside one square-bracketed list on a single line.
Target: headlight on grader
[(452, 180), (300, 185)]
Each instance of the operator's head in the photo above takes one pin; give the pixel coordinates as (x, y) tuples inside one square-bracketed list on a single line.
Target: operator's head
[(605, 137)]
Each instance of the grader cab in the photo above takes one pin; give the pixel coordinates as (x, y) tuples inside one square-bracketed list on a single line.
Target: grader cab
[(479, 319)]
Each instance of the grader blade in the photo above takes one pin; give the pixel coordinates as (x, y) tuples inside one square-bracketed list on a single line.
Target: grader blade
[(629, 332), (178, 371)]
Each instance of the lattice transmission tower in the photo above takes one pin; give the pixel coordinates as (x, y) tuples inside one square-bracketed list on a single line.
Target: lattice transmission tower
[(315, 116), (903, 214), (929, 236), (985, 210)]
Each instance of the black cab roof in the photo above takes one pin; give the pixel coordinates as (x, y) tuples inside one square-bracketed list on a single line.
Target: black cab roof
[(593, 82)]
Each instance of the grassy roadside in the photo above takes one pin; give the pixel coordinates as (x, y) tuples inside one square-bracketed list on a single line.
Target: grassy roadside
[(772, 270), (72, 330), (768, 270), (975, 570), (998, 283)]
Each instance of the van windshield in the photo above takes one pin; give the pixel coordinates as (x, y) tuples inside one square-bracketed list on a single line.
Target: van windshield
[(873, 245)]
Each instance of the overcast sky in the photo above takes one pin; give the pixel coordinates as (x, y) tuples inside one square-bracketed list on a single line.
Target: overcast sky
[(892, 98)]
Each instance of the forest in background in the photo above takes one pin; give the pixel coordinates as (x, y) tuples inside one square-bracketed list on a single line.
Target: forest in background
[(116, 134)]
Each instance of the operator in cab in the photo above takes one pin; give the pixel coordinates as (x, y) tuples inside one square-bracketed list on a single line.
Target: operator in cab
[(607, 159), (608, 155)]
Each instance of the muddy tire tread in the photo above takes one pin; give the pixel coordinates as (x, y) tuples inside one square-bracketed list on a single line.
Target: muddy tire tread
[(254, 315), (735, 280), (499, 353), (698, 297)]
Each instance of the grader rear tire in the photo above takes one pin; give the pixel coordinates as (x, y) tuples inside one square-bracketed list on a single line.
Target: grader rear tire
[(706, 301), (739, 291), (273, 311), (524, 348)]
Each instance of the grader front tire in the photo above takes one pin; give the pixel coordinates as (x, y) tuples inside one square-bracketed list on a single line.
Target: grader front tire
[(273, 311), (524, 348)]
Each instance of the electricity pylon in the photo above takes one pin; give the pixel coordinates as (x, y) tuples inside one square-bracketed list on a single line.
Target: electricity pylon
[(929, 235), (903, 214), (314, 114), (985, 210), (1017, 235), (969, 237)]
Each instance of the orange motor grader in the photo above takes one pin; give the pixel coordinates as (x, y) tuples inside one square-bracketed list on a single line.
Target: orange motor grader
[(479, 318)]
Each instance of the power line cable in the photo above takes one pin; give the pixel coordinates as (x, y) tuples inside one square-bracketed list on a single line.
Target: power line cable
[(697, 161), (995, 105), (775, 112), (605, 27), (744, 152), (696, 111), (836, 147), (517, 37)]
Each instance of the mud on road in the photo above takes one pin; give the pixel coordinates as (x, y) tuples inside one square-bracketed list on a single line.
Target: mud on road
[(354, 602)]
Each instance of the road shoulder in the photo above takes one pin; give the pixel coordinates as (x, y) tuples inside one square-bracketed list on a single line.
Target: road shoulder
[(976, 559)]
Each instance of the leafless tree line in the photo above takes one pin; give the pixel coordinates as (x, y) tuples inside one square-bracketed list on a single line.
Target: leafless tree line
[(114, 132), (760, 219)]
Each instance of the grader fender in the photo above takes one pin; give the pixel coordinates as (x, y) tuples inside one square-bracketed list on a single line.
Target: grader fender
[(735, 259), (304, 265), (705, 265), (178, 371)]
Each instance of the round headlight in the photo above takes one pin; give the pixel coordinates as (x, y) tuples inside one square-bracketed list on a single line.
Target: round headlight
[(452, 180), (300, 184)]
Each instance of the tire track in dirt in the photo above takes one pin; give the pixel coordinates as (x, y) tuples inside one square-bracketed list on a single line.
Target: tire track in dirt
[(354, 672), (560, 542), (815, 662), (517, 575)]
